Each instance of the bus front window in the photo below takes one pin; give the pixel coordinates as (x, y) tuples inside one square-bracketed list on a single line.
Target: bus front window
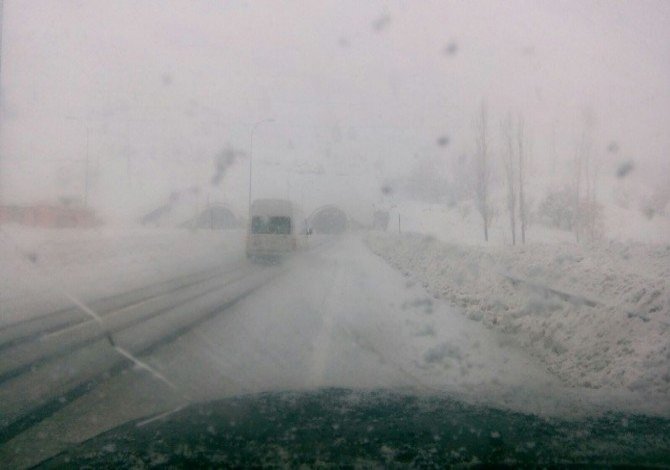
[(271, 225)]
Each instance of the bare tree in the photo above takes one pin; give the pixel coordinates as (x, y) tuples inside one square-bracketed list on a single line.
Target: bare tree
[(483, 171), (523, 208), (577, 187), (586, 211), (509, 157), (595, 228)]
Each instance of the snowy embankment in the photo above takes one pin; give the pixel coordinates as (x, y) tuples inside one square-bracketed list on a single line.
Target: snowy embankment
[(41, 268), (597, 316)]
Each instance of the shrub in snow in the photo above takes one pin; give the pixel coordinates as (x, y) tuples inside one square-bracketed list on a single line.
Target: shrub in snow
[(557, 210), (590, 221)]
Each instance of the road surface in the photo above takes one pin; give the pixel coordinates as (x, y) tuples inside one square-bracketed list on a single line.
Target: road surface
[(335, 316)]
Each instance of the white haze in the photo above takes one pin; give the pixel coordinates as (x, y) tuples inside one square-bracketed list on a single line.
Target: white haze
[(358, 91)]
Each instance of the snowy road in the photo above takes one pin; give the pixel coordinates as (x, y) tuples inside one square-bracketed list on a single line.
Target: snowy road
[(47, 364), (335, 316)]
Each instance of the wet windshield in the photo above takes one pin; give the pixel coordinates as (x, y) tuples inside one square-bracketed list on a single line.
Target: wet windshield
[(473, 202)]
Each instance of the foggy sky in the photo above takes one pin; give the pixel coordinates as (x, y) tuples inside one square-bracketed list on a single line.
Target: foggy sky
[(358, 92)]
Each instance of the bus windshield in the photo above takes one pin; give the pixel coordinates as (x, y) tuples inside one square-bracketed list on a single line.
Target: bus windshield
[(271, 225)]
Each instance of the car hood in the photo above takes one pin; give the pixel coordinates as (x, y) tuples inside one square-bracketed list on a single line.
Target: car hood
[(344, 427)]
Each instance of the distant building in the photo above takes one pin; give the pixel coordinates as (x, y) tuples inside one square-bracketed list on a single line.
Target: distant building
[(49, 216), (328, 220), (157, 216), (181, 212), (216, 217)]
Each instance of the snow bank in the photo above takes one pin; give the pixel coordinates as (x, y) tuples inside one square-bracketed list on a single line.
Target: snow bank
[(612, 330), (38, 265)]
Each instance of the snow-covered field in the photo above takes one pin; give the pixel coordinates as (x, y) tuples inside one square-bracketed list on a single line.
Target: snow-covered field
[(40, 268), (619, 341)]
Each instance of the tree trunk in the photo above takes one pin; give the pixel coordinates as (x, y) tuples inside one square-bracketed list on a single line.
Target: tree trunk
[(522, 176), (482, 172), (508, 163)]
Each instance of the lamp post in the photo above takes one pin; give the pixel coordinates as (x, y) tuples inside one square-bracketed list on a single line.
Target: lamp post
[(2, 7), (251, 155), (86, 157)]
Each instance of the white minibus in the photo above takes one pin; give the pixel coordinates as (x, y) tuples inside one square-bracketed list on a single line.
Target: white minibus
[(276, 227)]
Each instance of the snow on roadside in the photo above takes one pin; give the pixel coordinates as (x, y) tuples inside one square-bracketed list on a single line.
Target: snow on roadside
[(36, 265), (621, 341)]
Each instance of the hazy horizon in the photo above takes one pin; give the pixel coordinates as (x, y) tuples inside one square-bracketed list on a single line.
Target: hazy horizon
[(161, 88)]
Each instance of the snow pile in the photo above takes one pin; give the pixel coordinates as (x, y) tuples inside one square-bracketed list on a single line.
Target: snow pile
[(597, 316), (37, 266)]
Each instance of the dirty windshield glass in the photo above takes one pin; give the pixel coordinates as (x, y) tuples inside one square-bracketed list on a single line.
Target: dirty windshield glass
[(248, 233)]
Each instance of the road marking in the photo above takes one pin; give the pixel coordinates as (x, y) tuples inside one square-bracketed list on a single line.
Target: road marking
[(107, 316)]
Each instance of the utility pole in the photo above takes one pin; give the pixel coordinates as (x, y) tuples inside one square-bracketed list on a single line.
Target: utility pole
[(86, 173), (2, 8), (209, 211), (251, 156)]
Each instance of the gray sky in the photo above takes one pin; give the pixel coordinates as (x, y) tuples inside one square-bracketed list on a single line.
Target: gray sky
[(358, 91)]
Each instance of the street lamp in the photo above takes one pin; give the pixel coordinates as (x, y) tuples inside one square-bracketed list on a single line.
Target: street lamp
[(251, 155), (86, 169)]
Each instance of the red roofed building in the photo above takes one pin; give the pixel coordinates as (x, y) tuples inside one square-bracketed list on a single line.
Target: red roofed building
[(48, 216)]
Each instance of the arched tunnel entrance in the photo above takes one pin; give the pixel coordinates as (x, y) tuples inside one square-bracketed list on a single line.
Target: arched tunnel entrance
[(328, 220), (216, 217)]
